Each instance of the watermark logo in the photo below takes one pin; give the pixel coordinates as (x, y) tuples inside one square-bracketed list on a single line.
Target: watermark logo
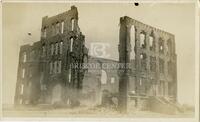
[(98, 49)]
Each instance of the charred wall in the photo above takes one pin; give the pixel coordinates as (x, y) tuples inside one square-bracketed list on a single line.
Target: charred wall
[(152, 54), (61, 44), (28, 85)]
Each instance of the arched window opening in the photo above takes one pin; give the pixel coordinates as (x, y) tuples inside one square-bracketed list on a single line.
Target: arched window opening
[(52, 49), (71, 44), (53, 29), (69, 76), (23, 73), (56, 48), (22, 89), (132, 55), (44, 32), (142, 40), (55, 67), (143, 61), (161, 45), (24, 57), (57, 28), (152, 64), (72, 24), (61, 47), (103, 77), (151, 43), (43, 50), (62, 26), (59, 66), (112, 80), (140, 82)]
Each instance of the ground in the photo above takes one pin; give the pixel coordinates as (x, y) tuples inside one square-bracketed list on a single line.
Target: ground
[(83, 111)]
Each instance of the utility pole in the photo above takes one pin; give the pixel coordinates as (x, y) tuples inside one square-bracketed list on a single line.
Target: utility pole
[(124, 59)]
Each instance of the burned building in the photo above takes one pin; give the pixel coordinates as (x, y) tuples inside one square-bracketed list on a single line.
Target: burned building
[(153, 58), (151, 53), (44, 73)]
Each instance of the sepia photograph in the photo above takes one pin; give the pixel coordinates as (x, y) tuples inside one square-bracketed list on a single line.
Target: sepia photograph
[(99, 60)]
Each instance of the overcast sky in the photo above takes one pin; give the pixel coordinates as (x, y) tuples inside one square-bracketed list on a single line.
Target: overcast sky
[(100, 23)]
